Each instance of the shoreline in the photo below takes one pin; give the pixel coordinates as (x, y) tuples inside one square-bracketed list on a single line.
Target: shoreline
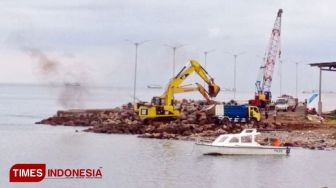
[(295, 129)]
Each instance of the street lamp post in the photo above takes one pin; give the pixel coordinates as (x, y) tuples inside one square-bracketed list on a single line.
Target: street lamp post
[(205, 57), (296, 78), (234, 77), (174, 53), (280, 68), (320, 93), (235, 56), (136, 44)]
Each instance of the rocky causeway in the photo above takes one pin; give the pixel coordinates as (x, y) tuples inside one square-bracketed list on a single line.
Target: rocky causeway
[(293, 128)]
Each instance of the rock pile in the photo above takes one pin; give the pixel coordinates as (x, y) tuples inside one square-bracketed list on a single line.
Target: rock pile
[(310, 139), (191, 124)]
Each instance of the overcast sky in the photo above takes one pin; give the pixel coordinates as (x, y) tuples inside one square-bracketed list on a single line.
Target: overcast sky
[(88, 37)]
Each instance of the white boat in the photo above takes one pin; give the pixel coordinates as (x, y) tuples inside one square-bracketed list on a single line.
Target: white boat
[(72, 84), (239, 144), (154, 86)]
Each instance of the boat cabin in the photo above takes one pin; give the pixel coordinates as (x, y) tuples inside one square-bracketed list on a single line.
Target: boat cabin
[(245, 138)]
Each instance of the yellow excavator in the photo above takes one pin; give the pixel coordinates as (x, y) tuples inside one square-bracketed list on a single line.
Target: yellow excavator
[(163, 106)]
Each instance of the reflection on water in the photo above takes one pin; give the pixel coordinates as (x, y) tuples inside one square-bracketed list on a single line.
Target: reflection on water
[(128, 161)]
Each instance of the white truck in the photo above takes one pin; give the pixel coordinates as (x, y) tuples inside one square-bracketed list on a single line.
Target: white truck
[(286, 103)]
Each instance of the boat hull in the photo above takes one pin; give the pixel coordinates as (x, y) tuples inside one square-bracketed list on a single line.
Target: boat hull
[(242, 150)]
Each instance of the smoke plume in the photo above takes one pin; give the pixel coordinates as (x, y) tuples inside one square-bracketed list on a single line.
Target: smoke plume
[(71, 78)]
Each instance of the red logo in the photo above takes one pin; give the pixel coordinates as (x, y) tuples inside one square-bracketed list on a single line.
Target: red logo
[(38, 172), (27, 172)]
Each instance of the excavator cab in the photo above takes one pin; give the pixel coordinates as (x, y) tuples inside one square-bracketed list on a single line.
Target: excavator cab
[(268, 96), (264, 99), (157, 101), (260, 100)]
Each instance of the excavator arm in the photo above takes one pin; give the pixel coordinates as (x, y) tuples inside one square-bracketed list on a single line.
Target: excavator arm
[(174, 85), (199, 88), (163, 106)]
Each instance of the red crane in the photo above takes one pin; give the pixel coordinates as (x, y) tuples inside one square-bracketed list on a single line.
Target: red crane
[(264, 81)]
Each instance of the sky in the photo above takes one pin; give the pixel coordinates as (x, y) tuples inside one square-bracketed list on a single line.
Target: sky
[(88, 38)]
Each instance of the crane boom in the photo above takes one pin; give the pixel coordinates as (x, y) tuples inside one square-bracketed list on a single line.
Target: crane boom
[(263, 84), (273, 50)]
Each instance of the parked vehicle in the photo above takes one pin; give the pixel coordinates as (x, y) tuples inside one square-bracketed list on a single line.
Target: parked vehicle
[(286, 103), (235, 113)]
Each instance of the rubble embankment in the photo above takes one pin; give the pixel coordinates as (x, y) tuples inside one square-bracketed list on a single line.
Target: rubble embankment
[(193, 123)]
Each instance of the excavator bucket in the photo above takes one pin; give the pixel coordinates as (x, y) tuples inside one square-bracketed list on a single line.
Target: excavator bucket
[(213, 89), (206, 94)]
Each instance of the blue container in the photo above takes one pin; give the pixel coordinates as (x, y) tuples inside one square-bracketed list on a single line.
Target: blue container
[(234, 111)]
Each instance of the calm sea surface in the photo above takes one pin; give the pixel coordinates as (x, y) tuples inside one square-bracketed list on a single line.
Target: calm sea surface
[(128, 161)]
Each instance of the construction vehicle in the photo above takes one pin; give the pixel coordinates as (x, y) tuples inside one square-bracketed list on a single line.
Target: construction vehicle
[(224, 113), (163, 106), (263, 95)]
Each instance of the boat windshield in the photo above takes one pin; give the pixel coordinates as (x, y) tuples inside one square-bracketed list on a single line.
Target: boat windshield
[(234, 140), (223, 139)]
